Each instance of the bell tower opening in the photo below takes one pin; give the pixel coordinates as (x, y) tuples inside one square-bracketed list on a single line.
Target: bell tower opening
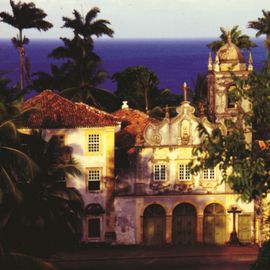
[(229, 62)]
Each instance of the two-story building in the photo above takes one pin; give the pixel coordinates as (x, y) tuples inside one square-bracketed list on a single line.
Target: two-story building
[(91, 134)]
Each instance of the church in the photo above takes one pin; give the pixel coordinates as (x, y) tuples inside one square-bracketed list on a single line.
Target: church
[(148, 195), (159, 201)]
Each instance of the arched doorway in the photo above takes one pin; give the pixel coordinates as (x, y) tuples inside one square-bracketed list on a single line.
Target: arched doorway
[(184, 224), (154, 225), (214, 224)]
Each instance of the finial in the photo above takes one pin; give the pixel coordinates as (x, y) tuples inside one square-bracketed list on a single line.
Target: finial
[(229, 37), (185, 88), (250, 62), (210, 62), (167, 115), (125, 105), (216, 65)]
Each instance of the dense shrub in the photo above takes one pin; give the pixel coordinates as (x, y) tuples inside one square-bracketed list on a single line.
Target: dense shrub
[(263, 259)]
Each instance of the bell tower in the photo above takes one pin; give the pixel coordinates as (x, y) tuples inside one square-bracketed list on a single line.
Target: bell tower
[(229, 62)]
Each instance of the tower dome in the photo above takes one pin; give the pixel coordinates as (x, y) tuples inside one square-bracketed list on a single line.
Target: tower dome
[(230, 53)]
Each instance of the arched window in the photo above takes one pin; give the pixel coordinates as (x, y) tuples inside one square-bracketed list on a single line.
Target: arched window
[(154, 225), (230, 102), (184, 225), (214, 224)]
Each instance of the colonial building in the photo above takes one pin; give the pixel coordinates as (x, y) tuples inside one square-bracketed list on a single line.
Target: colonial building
[(90, 133), (159, 200), (148, 195)]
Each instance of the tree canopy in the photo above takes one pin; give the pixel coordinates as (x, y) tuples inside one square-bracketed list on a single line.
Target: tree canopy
[(139, 86), (245, 162), (80, 72), (240, 40), (263, 26), (24, 16)]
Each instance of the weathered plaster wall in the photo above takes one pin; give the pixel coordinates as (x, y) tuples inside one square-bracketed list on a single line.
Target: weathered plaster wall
[(125, 220), (129, 214)]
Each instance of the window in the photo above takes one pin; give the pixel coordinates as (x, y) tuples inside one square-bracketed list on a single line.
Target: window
[(160, 172), (184, 172), (94, 178), (93, 143), (230, 101), (94, 228), (209, 174)]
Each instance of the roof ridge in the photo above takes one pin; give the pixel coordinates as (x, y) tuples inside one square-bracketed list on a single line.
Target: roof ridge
[(58, 111)]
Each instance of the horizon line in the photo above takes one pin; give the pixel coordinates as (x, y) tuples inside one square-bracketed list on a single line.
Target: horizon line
[(136, 38)]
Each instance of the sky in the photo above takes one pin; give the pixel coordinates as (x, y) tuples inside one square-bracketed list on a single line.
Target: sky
[(149, 18)]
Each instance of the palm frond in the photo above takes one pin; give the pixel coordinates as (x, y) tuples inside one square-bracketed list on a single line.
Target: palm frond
[(26, 167), (91, 15)]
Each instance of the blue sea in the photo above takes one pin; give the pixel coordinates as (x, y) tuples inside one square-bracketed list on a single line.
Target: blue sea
[(173, 61)]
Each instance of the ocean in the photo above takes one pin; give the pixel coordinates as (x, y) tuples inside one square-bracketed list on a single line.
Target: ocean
[(173, 61)]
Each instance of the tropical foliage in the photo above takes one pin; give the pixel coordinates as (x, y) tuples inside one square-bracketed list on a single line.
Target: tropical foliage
[(199, 94), (80, 73), (263, 260), (139, 86), (50, 215), (14, 164), (24, 16), (263, 26), (245, 162), (33, 207), (240, 40)]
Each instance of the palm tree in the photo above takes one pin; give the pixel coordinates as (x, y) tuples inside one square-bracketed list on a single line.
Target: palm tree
[(77, 78), (86, 61), (15, 165), (242, 41), (263, 26), (25, 16), (199, 98), (50, 216), (88, 27), (139, 86)]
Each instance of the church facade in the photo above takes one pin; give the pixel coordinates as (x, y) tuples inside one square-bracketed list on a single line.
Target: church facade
[(162, 202)]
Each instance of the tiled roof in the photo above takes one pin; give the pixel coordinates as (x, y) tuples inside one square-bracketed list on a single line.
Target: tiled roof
[(55, 111), (133, 122)]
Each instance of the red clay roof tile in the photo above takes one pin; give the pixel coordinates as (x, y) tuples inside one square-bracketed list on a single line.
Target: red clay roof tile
[(135, 120), (55, 111)]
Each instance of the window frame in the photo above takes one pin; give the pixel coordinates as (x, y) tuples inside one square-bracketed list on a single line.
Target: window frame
[(159, 179), (89, 218), (209, 171), (186, 170), (230, 104), (94, 143), (100, 179), (87, 143)]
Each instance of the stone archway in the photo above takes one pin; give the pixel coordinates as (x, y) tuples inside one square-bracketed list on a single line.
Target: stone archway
[(154, 225), (214, 224), (184, 225)]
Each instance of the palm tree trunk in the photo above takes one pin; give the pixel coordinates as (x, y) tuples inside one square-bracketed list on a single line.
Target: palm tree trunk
[(268, 51), (21, 55)]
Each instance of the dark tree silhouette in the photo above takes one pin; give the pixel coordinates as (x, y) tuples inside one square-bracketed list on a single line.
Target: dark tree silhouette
[(240, 40), (24, 16)]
